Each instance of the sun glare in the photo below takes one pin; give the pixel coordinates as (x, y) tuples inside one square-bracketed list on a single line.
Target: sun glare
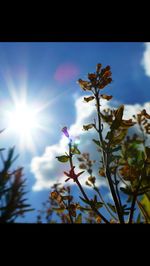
[(25, 121)]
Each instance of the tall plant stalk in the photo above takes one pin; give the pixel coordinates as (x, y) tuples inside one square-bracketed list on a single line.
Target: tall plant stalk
[(105, 156)]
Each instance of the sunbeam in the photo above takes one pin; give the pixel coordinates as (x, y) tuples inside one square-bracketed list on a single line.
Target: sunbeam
[(25, 119)]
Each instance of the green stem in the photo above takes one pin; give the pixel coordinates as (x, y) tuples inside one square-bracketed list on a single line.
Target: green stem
[(132, 208), (106, 162), (107, 208), (117, 191), (70, 155), (134, 202)]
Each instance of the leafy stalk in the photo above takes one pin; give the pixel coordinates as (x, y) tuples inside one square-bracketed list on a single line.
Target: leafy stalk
[(82, 190)]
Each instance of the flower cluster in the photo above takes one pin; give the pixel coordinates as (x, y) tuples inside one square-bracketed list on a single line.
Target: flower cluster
[(100, 79)]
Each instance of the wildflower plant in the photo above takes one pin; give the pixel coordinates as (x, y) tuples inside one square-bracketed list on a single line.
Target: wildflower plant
[(124, 162)]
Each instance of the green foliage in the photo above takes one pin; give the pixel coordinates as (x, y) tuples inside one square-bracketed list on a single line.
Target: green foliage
[(75, 150), (63, 158), (112, 207), (97, 142)]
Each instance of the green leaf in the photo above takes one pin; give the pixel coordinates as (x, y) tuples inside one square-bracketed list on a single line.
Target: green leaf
[(112, 207), (63, 158), (75, 150), (113, 157), (85, 201), (84, 209), (109, 135), (127, 191), (119, 136), (95, 198), (144, 190), (116, 149), (126, 213), (96, 204), (97, 142), (79, 219), (137, 141), (99, 205), (29, 210), (9, 159), (96, 189), (10, 153)]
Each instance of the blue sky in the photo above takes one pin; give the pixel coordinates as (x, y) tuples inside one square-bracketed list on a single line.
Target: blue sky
[(39, 67)]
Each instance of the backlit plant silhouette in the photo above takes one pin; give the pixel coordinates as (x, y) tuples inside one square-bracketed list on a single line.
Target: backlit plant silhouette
[(124, 161), (12, 189)]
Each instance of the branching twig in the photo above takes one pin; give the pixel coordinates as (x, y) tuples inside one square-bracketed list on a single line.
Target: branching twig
[(82, 190)]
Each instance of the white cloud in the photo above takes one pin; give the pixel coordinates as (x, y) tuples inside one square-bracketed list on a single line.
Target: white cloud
[(46, 168), (146, 59)]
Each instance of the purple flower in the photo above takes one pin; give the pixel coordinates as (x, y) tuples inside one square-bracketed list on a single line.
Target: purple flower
[(65, 131)]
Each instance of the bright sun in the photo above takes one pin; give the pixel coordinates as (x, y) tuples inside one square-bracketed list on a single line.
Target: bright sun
[(24, 120)]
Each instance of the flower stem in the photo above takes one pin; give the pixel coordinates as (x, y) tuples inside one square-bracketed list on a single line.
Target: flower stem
[(106, 161), (107, 208), (134, 202), (117, 191), (132, 208)]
